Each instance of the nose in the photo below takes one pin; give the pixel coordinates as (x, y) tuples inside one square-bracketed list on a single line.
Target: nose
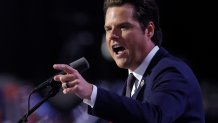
[(114, 34)]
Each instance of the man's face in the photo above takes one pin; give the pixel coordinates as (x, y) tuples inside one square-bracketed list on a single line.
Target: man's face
[(126, 41)]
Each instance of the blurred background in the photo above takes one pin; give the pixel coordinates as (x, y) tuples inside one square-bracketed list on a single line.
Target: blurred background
[(35, 34)]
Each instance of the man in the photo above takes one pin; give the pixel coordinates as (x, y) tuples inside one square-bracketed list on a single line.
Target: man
[(164, 90)]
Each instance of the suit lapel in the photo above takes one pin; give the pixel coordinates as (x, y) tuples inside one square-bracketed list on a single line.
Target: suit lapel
[(142, 84), (159, 55)]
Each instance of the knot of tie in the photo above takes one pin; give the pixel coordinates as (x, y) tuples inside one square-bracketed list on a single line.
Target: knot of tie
[(130, 81)]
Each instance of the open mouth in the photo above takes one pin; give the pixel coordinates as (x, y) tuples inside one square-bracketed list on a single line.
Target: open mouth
[(118, 48)]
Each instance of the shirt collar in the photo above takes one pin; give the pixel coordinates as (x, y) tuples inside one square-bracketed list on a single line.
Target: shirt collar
[(140, 70)]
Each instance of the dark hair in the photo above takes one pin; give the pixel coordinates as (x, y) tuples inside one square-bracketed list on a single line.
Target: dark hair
[(145, 11)]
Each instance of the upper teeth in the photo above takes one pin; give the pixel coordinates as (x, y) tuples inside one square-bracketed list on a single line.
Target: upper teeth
[(116, 46)]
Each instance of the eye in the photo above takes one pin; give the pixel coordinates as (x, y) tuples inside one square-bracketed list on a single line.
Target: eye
[(124, 26), (107, 29)]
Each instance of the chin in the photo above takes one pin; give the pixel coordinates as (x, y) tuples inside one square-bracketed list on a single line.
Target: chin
[(121, 64)]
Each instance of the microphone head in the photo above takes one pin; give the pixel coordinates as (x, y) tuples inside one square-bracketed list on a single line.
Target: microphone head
[(80, 65)]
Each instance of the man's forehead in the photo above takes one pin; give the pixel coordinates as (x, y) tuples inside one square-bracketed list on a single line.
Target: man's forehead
[(124, 11)]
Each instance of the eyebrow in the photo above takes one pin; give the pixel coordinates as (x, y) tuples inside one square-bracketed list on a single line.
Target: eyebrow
[(125, 24), (120, 24)]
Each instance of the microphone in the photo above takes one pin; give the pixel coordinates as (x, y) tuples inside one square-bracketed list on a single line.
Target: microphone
[(81, 65)]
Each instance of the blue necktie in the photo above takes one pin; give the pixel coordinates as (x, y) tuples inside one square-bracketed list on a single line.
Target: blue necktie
[(130, 81)]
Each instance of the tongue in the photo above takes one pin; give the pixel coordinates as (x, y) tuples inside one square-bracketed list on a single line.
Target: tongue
[(119, 52), (119, 49)]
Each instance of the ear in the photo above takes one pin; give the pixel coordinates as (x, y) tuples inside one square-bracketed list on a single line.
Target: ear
[(150, 30)]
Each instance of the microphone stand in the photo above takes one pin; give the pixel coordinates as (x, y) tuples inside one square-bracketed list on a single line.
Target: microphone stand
[(53, 91)]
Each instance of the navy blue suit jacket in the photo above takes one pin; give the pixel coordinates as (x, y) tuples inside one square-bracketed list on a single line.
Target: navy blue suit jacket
[(170, 94)]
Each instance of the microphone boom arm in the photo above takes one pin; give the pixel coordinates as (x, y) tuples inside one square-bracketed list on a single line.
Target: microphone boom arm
[(23, 119)]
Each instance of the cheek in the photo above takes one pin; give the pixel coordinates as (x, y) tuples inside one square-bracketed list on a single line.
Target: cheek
[(108, 44), (107, 39)]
